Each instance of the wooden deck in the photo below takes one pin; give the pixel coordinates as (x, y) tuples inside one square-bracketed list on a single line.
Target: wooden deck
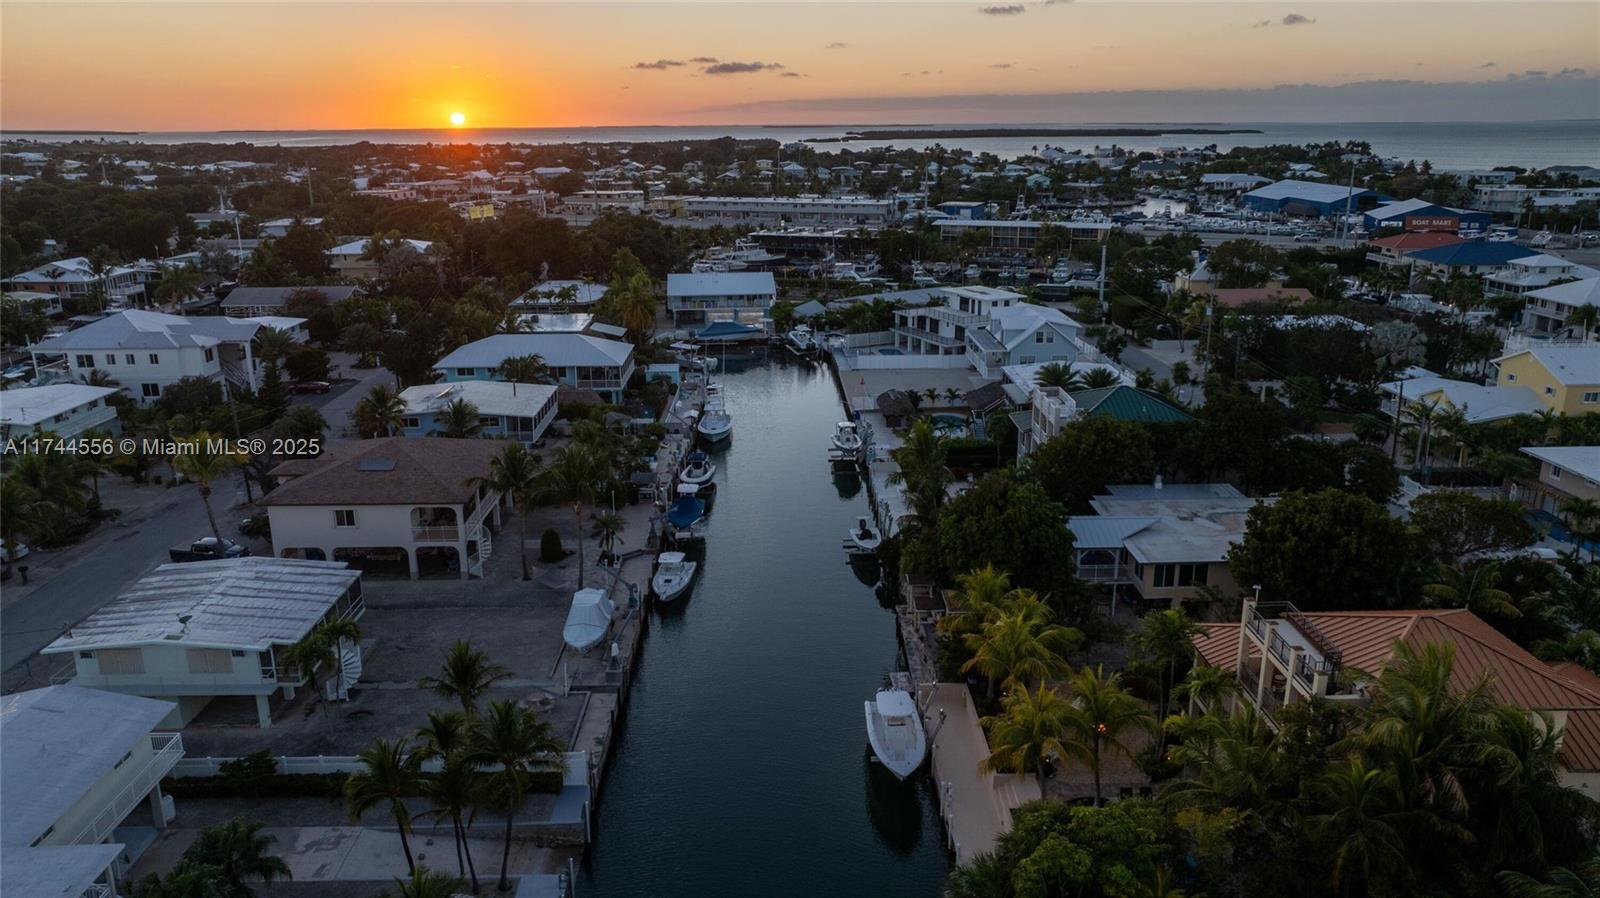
[(975, 806)]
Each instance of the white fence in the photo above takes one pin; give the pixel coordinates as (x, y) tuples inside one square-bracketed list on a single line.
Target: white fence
[(874, 338), (577, 764), (902, 362)]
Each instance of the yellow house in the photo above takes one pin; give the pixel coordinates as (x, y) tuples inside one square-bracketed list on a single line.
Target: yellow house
[(1565, 377)]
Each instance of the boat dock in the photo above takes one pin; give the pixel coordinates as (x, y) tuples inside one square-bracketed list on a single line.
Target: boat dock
[(975, 806)]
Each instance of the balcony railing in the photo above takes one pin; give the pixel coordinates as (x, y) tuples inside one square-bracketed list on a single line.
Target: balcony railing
[(929, 336), (167, 748), (1103, 573), (442, 533)]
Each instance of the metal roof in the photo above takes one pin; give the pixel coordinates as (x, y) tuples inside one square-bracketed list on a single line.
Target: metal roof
[(252, 297), (1569, 363), (1581, 460), (1092, 531), (1472, 252), (490, 397), (140, 329), (1127, 403), (557, 350), (237, 603), (58, 743), (27, 406), (386, 471), (1573, 293), (1309, 191), (733, 283)]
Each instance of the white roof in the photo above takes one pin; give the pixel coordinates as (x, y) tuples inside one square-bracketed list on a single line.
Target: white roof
[(1018, 322), (1024, 224), (1477, 402), (1569, 363), (557, 350), (1402, 208), (58, 743), (359, 246), (27, 406), (732, 283), (491, 397), (76, 270), (139, 329), (1581, 460), (1573, 293), (237, 603), (1305, 190), (584, 293)]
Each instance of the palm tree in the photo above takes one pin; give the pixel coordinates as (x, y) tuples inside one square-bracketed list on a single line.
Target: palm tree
[(978, 593), (1165, 637), (1585, 318), (1020, 645), (515, 473), (459, 420), (380, 412), (335, 633), (20, 512), (1059, 375), (455, 792), (607, 527), (921, 469), (179, 284), (1102, 712), (207, 461), (1582, 881), (444, 734), (238, 850), (1582, 516), (1473, 588), (425, 883), (1162, 885), (1363, 824), (525, 369), (1027, 732), (465, 676), (1100, 378), (389, 774), (1206, 685), (573, 477), (511, 742)]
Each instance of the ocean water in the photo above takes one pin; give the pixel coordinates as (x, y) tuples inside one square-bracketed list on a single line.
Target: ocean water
[(1445, 144)]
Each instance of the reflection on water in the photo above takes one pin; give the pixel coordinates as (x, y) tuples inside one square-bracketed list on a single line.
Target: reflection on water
[(847, 484), (892, 804)]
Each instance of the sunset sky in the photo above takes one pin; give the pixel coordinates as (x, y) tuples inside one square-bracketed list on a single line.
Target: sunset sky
[(205, 66)]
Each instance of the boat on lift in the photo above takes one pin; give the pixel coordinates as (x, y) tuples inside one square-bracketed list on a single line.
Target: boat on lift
[(894, 729), (864, 538), (674, 573), (802, 340), (848, 436), (697, 469), (588, 619)]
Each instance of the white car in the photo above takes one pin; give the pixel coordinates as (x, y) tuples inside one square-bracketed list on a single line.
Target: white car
[(9, 555)]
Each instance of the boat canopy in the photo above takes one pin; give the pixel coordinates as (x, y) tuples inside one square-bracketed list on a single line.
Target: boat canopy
[(670, 558), (895, 703), (686, 511)]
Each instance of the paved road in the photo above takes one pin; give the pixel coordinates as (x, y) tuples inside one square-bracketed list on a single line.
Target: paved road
[(66, 586)]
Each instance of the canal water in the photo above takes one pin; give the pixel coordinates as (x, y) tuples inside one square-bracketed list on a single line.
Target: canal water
[(743, 767)]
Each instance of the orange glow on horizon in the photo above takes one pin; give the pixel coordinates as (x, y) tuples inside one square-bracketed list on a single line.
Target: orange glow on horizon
[(457, 119)]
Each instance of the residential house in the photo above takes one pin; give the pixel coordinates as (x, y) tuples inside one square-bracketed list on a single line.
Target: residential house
[(762, 211), (66, 410), (521, 412), (1395, 249), (1548, 308), (939, 326), (1231, 182), (1565, 376), (252, 302), (1283, 656), (743, 296), (580, 361), (1529, 273), (76, 278), (201, 631), (81, 787), (549, 295), (279, 227), (146, 352), (1472, 257), (1479, 404), (393, 505), (1163, 541), (1021, 334), (46, 304), (1566, 473), (352, 259)]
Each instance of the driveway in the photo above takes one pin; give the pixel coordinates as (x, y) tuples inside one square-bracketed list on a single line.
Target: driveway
[(337, 404)]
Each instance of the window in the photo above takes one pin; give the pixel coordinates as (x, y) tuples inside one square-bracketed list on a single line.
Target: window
[(466, 372), (150, 391), (211, 354), (111, 358), (1555, 472), (1549, 391), (344, 517), (410, 423), (1591, 398), (120, 661), (85, 361), (1027, 360), (155, 358), (1169, 575), (1511, 378), (488, 421), (128, 358), (209, 661)]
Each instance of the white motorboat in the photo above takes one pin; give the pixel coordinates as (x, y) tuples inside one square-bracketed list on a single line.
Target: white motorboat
[(745, 253), (707, 266), (697, 469), (847, 436), (673, 575), (801, 340), (864, 537), (971, 273), (895, 731), (715, 424), (588, 619)]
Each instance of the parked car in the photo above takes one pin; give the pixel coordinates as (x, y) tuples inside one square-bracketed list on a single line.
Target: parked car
[(207, 549), (310, 386), (20, 550)]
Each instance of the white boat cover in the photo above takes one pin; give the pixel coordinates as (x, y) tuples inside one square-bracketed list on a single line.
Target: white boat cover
[(670, 558), (894, 703), (588, 619)]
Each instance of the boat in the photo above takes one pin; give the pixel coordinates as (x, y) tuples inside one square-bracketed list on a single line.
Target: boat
[(673, 575), (894, 730), (706, 266), (801, 340), (697, 469), (864, 538), (847, 436), (588, 619), (685, 512), (715, 424), (971, 273), (724, 332), (744, 253)]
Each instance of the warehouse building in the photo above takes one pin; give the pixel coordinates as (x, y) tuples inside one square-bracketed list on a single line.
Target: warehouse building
[(1307, 199)]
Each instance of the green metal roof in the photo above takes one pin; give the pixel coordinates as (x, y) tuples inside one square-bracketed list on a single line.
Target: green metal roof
[(1127, 403)]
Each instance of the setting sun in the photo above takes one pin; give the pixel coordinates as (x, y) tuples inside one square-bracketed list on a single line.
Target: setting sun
[(457, 119)]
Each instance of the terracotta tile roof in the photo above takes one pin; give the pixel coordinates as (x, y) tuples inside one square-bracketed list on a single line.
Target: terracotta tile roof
[(1425, 240), (388, 471), (1236, 297), (1366, 640)]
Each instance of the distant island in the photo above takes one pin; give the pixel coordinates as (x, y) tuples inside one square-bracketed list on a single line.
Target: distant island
[(926, 134)]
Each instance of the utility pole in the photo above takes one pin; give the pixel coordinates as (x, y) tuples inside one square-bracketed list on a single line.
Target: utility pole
[(1104, 311), (1349, 200)]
